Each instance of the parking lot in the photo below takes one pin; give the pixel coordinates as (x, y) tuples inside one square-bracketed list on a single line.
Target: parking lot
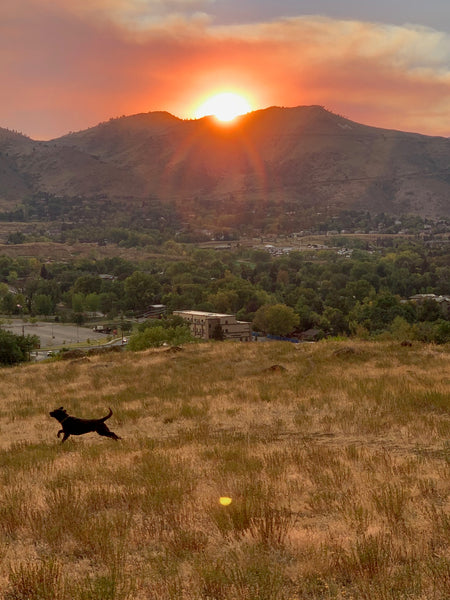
[(54, 334)]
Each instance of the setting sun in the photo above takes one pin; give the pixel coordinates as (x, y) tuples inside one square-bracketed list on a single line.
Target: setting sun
[(225, 107)]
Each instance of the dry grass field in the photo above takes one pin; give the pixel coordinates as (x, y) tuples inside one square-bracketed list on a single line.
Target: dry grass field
[(53, 251), (335, 456)]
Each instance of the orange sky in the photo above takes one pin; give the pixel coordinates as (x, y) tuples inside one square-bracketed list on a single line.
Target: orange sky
[(70, 66)]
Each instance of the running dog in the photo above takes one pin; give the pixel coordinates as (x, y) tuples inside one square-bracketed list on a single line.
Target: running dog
[(75, 426)]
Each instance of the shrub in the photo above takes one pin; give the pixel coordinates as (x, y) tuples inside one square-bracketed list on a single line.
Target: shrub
[(154, 337), (16, 348)]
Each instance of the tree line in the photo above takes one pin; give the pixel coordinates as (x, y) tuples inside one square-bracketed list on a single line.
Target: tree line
[(364, 293)]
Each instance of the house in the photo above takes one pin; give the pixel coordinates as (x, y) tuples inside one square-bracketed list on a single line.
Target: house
[(310, 335), (208, 325), (443, 301)]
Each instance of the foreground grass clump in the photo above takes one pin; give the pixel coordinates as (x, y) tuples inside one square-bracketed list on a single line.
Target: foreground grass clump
[(335, 457)]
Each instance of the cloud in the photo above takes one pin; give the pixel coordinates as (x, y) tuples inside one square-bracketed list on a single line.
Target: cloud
[(130, 14), (393, 76), (69, 65)]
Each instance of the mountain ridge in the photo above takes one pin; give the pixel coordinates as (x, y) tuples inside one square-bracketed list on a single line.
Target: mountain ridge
[(304, 160)]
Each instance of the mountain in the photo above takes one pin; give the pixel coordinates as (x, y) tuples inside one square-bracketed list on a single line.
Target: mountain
[(295, 163)]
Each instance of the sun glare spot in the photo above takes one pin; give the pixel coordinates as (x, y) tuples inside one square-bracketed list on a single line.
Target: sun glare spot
[(225, 107)]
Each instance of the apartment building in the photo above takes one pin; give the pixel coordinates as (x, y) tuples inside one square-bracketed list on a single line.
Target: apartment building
[(206, 325)]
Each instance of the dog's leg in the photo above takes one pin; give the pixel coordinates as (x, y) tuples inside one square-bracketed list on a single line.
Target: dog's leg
[(111, 435), (60, 432), (103, 429), (66, 435), (107, 432)]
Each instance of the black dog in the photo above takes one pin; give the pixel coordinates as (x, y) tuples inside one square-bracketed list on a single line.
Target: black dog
[(75, 426)]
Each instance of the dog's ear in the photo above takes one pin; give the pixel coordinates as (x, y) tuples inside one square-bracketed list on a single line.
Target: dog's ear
[(60, 408)]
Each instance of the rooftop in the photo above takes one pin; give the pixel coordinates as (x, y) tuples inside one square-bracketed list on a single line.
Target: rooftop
[(201, 313)]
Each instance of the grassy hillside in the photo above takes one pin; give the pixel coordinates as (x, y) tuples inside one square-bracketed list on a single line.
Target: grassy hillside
[(335, 457)]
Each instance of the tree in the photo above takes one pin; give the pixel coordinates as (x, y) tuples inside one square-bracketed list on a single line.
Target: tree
[(336, 321), (307, 317), (441, 331), (9, 303), (140, 290), (276, 319), (225, 301), (92, 302), (42, 305), (429, 310), (78, 303), (16, 348), (378, 313), (78, 318), (16, 238), (10, 351), (88, 284), (44, 273), (401, 329)]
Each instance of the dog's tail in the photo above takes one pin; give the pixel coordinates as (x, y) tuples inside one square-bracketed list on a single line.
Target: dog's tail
[(107, 416)]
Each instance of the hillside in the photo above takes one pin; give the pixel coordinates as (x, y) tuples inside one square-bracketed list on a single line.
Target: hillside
[(14, 184), (294, 162), (333, 457)]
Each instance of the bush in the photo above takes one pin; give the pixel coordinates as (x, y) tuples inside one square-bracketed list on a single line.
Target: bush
[(437, 332), (155, 336), (16, 348)]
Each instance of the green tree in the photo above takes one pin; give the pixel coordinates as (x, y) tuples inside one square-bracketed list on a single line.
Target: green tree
[(441, 331), (16, 238), (42, 305), (16, 348), (307, 297), (401, 330), (12, 277), (109, 303), (87, 284), (336, 321), (78, 303), (10, 351), (141, 289), (276, 319), (92, 302), (429, 310), (378, 313), (307, 317), (225, 301), (9, 303), (78, 318)]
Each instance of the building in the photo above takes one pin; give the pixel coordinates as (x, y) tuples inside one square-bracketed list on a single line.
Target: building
[(154, 311), (207, 325), (310, 335), (442, 301)]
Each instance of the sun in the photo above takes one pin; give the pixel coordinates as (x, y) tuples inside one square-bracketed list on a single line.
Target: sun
[(225, 107)]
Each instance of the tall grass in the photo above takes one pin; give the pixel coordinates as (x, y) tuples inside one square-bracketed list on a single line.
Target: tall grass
[(336, 467), (35, 581)]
